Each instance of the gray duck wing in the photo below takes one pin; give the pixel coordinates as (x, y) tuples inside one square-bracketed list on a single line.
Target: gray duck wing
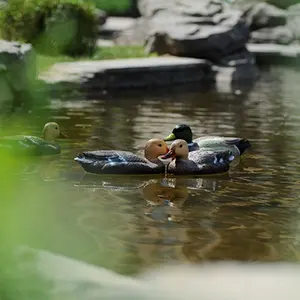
[(30, 145), (109, 156), (133, 168), (241, 143), (207, 169), (211, 157), (189, 167), (116, 162)]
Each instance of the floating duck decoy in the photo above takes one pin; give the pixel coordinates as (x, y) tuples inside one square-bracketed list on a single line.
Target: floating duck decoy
[(235, 144), (201, 162), (33, 145), (125, 162)]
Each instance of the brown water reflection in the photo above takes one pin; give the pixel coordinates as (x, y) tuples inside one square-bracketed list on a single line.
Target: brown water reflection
[(128, 223)]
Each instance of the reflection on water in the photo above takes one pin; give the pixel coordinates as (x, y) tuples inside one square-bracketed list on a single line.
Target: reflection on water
[(129, 223)]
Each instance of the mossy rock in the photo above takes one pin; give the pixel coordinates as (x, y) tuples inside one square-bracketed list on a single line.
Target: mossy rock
[(52, 26)]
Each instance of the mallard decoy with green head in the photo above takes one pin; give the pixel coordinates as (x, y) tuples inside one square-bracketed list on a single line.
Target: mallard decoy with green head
[(235, 144), (197, 162), (33, 145), (125, 162)]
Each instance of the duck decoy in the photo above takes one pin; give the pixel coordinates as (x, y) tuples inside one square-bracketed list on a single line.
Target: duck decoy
[(235, 144), (201, 162), (33, 145), (125, 162)]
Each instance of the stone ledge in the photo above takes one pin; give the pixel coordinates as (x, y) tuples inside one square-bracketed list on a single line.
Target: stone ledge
[(154, 72), (127, 73), (292, 51)]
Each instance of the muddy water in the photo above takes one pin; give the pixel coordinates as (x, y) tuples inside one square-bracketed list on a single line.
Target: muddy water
[(128, 223)]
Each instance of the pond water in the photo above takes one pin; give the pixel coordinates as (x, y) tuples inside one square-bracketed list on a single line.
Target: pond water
[(125, 223)]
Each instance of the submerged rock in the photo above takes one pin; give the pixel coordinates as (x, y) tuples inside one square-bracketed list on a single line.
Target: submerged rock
[(293, 13), (73, 279), (207, 29)]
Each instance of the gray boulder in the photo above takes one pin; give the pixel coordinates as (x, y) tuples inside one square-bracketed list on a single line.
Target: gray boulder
[(101, 16), (277, 35), (3, 3), (268, 24), (261, 15), (207, 29), (17, 71), (293, 13)]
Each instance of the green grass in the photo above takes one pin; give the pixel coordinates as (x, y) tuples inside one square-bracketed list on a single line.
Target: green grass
[(113, 5), (45, 62)]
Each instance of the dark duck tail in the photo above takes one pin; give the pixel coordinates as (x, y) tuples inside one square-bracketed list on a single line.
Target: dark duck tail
[(241, 143)]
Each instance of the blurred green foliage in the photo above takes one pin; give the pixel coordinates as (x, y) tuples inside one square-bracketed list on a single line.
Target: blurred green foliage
[(28, 204), (53, 26), (15, 282), (18, 284)]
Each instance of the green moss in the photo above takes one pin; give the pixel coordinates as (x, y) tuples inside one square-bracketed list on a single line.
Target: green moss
[(115, 52), (120, 52), (52, 26)]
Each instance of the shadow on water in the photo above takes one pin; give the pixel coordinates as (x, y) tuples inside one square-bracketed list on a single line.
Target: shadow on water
[(129, 223)]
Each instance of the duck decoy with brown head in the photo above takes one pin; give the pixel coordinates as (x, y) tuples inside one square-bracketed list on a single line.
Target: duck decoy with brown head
[(201, 162), (125, 162)]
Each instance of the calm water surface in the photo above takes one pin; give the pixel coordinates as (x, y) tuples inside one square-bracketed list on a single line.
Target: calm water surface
[(129, 223)]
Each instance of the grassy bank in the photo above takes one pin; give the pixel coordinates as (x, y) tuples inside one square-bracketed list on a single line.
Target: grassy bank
[(45, 62), (113, 5)]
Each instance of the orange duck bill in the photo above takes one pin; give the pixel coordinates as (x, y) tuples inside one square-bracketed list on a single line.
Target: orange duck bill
[(169, 154), (62, 135)]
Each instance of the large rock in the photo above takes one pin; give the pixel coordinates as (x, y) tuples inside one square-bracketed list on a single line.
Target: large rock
[(101, 16), (277, 35), (17, 71), (207, 29), (133, 35), (263, 15), (3, 3), (268, 24), (293, 13)]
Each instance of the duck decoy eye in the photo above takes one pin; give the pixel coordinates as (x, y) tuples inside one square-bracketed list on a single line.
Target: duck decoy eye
[(160, 145)]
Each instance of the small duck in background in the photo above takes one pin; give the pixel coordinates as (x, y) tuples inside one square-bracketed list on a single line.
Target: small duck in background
[(125, 162), (198, 162), (235, 144), (33, 145)]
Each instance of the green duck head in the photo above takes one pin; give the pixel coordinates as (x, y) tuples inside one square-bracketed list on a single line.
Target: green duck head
[(51, 132), (181, 131)]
